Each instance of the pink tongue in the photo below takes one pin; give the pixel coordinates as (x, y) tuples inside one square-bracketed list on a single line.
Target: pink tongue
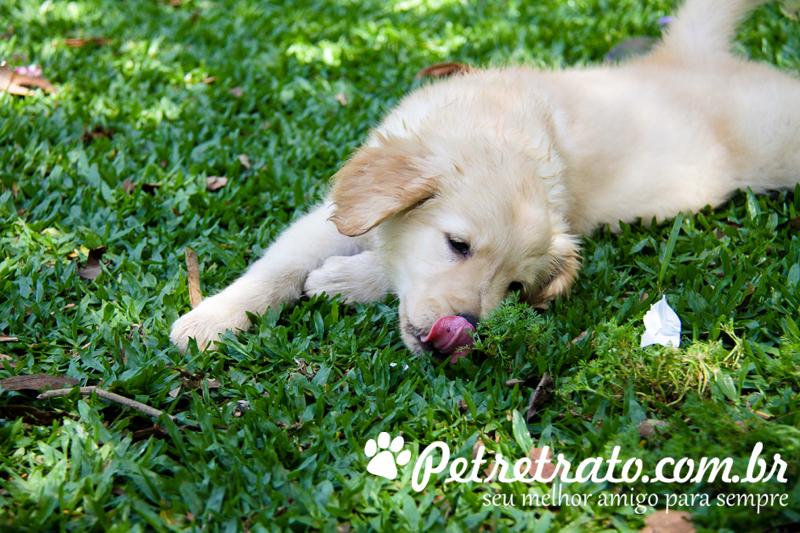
[(451, 335)]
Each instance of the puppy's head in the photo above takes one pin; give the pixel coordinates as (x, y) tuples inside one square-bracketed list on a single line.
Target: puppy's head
[(460, 226)]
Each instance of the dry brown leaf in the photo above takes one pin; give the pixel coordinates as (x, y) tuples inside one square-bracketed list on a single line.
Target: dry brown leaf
[(476, 448), (14, 83), (128, 186), (341, 98), (97, 132), (8, 338), (245, 161), (237, 92), (208, 80), (92, 267), (795, 223), (150, 188), (443, 70), (548, 468), (214, 183), (489, 473), (4, 357), (540, 395), (78, 43), (747, 296), (193, 277), (37, 382), (31, 415), (647, 428), (668, 522)]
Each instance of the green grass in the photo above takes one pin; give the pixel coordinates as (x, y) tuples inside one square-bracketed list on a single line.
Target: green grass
[(318, 375)]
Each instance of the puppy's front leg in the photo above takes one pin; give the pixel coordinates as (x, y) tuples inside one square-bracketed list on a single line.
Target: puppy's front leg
[(357, 278), (277, 277)]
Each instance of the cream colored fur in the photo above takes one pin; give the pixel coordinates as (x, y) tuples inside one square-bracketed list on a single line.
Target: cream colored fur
[(519, 163)]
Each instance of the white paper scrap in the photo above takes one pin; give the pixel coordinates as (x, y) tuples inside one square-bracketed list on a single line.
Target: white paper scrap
[(662, 325)]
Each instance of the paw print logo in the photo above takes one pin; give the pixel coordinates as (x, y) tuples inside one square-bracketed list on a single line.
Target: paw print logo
[(384, 464)]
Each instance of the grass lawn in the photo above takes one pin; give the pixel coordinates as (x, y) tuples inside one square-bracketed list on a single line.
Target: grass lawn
[(275, 96)]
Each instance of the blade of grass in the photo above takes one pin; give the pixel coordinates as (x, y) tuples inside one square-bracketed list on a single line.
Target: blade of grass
[(673, 236)]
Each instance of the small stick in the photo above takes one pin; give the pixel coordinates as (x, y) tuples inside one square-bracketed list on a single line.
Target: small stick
[(193, 277), (110, 396)]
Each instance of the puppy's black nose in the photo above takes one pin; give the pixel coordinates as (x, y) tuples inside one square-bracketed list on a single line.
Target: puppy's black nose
[(471, 319)]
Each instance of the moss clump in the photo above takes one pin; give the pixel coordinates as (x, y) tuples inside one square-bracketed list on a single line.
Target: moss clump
[(662, 374)]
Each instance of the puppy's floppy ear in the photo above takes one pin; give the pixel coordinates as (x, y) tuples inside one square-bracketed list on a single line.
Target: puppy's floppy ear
[(379, 182), (565, 265)]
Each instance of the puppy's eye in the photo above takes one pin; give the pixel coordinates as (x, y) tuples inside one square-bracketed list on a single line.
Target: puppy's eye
[(514, 286), (458, 245)]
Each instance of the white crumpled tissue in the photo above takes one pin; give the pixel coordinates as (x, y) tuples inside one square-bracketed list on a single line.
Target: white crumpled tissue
[(662, 325)]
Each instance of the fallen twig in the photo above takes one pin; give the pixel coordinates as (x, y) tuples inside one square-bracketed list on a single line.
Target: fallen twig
[(110, 396), (193, 277)]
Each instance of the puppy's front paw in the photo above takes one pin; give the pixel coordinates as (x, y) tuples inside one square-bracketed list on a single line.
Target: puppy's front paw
[(206, 322), (331, 278)]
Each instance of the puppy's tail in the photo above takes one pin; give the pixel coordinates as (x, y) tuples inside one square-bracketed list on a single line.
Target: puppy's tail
[(703, 30)]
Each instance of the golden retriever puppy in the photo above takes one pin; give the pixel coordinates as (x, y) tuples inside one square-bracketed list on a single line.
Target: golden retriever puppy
[(483, 183)]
